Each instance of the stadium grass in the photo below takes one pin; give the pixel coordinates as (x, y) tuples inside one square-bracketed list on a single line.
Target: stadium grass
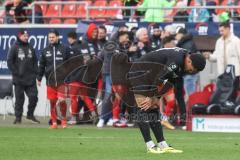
[(90, 143)]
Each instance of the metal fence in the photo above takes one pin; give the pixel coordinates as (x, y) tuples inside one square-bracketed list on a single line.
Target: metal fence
[(132, 10)]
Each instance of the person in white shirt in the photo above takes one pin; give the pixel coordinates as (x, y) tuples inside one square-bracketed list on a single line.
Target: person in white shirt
[(227, 51)]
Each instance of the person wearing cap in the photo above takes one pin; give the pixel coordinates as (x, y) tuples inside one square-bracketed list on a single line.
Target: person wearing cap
[(156, 36), (52, 57), (22, 62)]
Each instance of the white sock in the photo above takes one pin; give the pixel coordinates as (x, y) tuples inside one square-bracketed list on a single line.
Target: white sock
[(163, 144), (150, 144)]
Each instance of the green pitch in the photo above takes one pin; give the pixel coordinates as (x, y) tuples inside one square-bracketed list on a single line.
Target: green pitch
[(89, 143)]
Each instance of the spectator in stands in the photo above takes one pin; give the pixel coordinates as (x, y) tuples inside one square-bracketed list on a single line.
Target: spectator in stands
[(185, 40), (156, 37), (38, 13), (155, 15), (53, 56), (128, 15), (15, 12), (22, 62), (211, 12), (181, 14), (102, 37), (198, 15), (168, 31), (227, 51)]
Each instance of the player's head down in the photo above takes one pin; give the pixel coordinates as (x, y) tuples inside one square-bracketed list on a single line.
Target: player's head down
[(194, 63)]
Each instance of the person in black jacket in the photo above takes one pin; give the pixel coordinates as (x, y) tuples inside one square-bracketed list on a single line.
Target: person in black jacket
[(75, 85), (185, 40), (151, 78), (22, 62), (156, 37), (89, 44), (102, 37), (143, 44), (52, 57)]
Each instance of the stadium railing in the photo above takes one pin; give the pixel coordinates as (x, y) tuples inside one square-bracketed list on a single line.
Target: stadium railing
[(89, 9)]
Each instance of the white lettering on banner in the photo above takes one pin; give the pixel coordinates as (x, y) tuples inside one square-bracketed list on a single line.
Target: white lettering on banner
[(11, 40), (216, 124), (3, 65)]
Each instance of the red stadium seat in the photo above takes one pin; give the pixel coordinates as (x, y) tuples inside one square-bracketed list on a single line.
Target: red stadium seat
[(44, 8), (70, 21), (114, 12), (55, 21), (81, 10), (220, 11), (98, 13), (54, 10), (69, 10)]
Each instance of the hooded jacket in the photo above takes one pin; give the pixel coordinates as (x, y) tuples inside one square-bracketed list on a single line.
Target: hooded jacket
[(22, 62), (89, 46)]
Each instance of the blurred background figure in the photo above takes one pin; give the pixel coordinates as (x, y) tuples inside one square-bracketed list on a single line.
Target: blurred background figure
[(155, 15), (155, 38), (198, 15), (15, 12)]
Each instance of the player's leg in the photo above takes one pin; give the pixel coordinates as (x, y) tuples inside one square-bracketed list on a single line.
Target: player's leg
[(52, 97)]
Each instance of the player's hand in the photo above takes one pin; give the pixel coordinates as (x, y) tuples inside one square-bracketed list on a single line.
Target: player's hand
[(132, 49), (206, 54), (39, 83), (146, 104)]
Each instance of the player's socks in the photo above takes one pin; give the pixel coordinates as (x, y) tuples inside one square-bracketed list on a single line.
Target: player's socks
[(152, 148), (162, 144), (157, 130), (150, 144)]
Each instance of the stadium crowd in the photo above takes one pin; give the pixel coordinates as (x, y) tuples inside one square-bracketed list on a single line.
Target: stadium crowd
[(68, 14)]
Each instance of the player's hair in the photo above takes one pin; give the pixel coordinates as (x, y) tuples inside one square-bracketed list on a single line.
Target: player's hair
[(54, 31), (122, 33), (103, 27), (168, 39), (225, 24), (72, 35), (139, 32)]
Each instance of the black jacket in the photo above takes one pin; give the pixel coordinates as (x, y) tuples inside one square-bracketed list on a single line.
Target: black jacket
[(53, 57), (22, 62), (140, 52), (155, 42), (187, 43), (76, 58), (171, 69), (89, 47)]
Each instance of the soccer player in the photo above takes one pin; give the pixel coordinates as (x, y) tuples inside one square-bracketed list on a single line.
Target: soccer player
[(149, 79)]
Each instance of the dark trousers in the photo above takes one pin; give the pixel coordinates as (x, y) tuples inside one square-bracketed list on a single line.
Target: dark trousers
[(31, 92)]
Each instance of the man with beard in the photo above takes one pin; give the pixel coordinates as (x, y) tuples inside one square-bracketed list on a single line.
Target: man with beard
[(22, 62), (156, 37)]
